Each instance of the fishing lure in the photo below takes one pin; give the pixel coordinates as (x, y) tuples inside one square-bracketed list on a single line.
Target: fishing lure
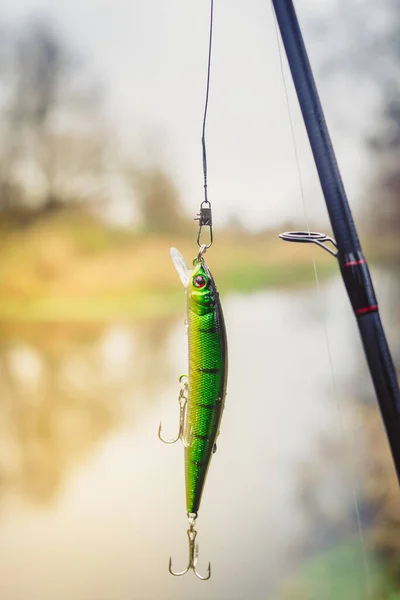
[(202, 393)]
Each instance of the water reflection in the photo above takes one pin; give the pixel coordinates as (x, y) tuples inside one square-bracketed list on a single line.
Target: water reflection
[(104, 500), (64, 389)]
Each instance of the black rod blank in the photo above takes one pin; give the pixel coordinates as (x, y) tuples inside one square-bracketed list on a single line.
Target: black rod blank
[(353, 265)]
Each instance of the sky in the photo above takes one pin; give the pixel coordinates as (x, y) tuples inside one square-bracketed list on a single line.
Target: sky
[(151, 58)]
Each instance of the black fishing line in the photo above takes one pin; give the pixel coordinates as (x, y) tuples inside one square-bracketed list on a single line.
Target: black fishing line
[(203, 139)]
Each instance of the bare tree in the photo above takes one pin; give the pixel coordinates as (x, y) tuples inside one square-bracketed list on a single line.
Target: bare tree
[(158, 201), (52, 138)]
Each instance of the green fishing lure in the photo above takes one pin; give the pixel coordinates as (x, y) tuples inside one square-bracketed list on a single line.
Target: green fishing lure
[(203, 391)]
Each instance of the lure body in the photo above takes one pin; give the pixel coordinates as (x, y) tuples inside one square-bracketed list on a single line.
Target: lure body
[(208, 369), (207, 381)]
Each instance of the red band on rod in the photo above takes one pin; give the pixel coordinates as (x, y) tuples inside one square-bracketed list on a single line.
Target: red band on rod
[(366, 309), (352, 263)]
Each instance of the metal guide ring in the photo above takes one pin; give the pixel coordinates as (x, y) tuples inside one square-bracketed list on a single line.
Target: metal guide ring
[(312, 237), (303, 236)]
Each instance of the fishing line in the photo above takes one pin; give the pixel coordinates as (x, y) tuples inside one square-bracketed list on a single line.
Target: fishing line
[(344, 431), (204, 216), (203, 138)]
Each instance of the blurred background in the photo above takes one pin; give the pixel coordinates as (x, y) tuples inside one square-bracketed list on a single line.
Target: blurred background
[(100, 174)]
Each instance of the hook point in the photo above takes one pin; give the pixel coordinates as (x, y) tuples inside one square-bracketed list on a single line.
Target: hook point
[(201, 576)]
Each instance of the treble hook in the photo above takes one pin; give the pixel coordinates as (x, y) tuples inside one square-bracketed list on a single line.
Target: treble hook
[(182, 399), (193, 554)]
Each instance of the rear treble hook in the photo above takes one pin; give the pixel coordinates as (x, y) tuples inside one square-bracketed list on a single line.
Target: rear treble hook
[(182, 399), (193, 553)]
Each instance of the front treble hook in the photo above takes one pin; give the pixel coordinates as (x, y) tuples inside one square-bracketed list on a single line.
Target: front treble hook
[(193, 554), (182, 399)]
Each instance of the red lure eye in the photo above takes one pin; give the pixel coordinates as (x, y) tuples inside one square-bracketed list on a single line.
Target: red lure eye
[(199, 281)]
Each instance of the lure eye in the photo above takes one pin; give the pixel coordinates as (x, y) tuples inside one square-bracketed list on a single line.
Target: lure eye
[(199, 281)]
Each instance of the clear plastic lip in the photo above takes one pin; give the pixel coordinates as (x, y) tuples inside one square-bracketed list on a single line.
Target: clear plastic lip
[(181, 266)]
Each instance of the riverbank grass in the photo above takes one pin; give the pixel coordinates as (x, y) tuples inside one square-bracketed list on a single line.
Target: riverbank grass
[(73, 268)]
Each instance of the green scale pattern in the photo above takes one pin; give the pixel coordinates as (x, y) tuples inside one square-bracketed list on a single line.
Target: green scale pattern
[(207, 382)]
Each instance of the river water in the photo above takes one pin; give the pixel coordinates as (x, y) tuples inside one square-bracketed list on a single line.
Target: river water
[(92, 504)]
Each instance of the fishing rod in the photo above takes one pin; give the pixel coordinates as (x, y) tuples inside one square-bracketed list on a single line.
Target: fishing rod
[(346, 246)]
